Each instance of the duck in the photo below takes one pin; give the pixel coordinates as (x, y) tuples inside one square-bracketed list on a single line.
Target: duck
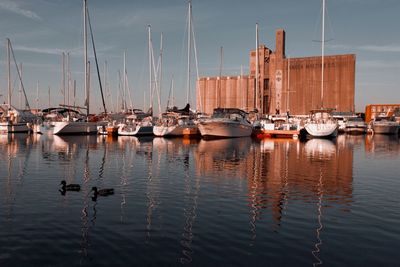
[(69, 187), (102, 192)]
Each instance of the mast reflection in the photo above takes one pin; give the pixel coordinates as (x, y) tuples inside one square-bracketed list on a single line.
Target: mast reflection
[(192, 188), (15, 150), (281, 173)]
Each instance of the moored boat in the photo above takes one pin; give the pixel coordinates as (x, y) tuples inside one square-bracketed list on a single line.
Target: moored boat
[(226, 122), (321, 124), (13, 120), (172, 124), (384, 125), (74, 127), (279, 127), (355, 126)]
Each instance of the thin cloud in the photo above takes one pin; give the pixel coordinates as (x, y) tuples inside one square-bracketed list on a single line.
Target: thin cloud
[(378, 64), (47, 51), (58, 51), (369, 48), (381, 48), (15, 8)]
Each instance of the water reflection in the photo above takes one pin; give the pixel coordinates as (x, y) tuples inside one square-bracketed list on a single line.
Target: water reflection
[(15, 153), (320, 149), (222, 155), (191, 190), (164, 187), (383, 145), (280, 173)]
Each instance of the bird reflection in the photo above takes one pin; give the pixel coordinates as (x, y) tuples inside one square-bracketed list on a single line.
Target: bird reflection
[(316, 251), (84, 232)]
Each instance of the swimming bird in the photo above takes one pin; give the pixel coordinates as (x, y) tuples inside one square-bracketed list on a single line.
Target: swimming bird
[(102, 192), (69, 187)]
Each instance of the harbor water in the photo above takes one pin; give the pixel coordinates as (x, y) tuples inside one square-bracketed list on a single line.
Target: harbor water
[(227, 202)]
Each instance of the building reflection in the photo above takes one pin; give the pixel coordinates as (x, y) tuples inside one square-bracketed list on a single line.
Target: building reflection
[(280, 171), (384, 145), (15, 153)]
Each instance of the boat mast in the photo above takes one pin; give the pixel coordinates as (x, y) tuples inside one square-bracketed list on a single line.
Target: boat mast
[(49, 97), (63, 76), (68, 79), (172, 92), (9, 72), (197, 65), (322, 53), (160, 73), (124, 84), (240, 85), (20, 87), (37, 96), (74, 94), (221, 55), (85, 56), (288, 83), (150, 66), (256, 96), (189, 43)]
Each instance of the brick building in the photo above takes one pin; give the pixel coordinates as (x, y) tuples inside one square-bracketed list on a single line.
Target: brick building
[(285, 84)]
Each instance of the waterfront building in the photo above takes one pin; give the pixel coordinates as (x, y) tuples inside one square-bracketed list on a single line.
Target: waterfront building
[(285, 84), (378, 110)]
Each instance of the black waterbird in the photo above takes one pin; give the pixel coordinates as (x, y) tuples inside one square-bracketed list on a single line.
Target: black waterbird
[(102, 192), (69, 187)]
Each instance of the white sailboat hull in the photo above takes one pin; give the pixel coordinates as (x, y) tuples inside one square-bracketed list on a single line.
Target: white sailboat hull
[(7, 127), (224, 128), (173, 130), (322, 129), (74, 127), (137, 131)]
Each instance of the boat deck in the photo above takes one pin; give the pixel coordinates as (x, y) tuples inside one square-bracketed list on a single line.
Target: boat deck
[(279, 133)]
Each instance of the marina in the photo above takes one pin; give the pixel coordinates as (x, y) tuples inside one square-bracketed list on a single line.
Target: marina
[(235, 201), (199, 133)]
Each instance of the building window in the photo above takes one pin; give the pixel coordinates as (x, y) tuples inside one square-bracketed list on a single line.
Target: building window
[(265, 104)]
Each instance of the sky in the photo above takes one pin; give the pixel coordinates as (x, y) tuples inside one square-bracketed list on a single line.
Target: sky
[(40, 30)]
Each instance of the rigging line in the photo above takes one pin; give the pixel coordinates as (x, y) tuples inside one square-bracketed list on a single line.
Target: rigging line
[(330, 28), (170, 89), (159, 72), (189, 45), (129, 91), (119, 90), (97, 64), (318, 22), (19, 75), (150, 53), (155, 88), (182, 52), (197, 64), (160, 59)]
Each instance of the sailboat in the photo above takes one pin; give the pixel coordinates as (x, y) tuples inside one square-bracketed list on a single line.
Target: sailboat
[(13, 120), (321, 122), (275, 126), (79, 125), (137, 122), (180, 122)]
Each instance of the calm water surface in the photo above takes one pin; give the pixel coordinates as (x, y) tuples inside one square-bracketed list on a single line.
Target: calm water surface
[(231, 202)]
